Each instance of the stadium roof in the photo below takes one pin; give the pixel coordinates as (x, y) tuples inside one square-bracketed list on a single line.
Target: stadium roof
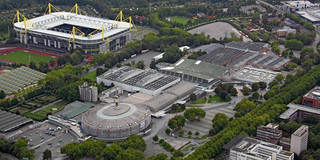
[(43, 23), (9, 121), (198, 69)]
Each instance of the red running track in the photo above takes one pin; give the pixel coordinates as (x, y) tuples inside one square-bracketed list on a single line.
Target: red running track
[(8, 51)]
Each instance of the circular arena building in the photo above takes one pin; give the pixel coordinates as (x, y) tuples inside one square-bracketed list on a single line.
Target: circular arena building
[(115, 121)]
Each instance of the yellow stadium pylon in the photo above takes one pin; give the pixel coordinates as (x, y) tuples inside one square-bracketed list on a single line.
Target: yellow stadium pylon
[(50, 8), (75, 32), (75, 9), (120, 17)]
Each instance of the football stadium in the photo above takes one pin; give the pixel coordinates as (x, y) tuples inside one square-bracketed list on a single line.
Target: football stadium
[(67, 30)]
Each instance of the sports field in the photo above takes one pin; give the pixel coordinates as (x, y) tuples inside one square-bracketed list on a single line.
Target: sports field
[(182, 20), (23, 57)]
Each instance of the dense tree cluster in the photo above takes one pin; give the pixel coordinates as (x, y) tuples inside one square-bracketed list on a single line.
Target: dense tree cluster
[(294, 44), (176, 122), (18, 149), (244, 106), (224, 91), (219, 122), (193, 114), (132, 148), (265, 113)]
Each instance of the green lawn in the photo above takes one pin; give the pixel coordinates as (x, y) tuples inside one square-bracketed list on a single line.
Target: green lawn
[(48, 109), (216, 99), (41, 113), (200, 101), (182, 20), (92, 76), (23, 57)]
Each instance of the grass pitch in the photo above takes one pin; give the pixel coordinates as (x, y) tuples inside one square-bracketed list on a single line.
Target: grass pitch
[(182, 20), (23, 57)]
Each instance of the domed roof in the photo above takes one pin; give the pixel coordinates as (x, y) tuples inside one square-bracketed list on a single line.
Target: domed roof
[(115, 115)]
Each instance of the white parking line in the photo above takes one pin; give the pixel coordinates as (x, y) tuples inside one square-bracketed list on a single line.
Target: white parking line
[(43, 143)]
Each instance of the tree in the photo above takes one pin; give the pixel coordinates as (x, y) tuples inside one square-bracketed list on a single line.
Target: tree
[(255, 86), (99, 71), (228, 98), (291, 66), (181, 132), (219, 122), (262, 85), (234, 92), (255, 96), (189, 133), (193, 97), (47, 154), (118, 65), (279, 77), (197, 133), (193, 114), (307, 65), (111, 151), (245, 90), (155, 138), (32, 65), (244, 107), (294, 44), (135, 142), (130, 153), (140, 65), (176, 122), (153, 65), (265, 37), (2, 94), (168, 131)]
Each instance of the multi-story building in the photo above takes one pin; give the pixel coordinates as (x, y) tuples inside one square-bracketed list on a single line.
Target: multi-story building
[(269, 133), (299, 140), (252, 149), (310, 107), (88, 93)]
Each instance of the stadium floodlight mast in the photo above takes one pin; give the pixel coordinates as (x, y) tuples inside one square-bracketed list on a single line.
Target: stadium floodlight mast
[(27, 24)]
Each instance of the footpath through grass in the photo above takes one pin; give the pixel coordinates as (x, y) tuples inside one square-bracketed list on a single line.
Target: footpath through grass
[(23, 57)]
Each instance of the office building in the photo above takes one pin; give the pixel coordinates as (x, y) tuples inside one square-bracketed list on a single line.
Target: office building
[(88, 93), (299, 140)]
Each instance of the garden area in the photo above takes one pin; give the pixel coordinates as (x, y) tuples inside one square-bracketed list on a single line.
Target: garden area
[(211, 99), (26, 107)]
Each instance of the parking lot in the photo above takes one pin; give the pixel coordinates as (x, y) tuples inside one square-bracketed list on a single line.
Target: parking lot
[(48, 136)]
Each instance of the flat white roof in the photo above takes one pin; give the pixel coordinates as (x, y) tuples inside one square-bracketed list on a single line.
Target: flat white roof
[(43, 23)]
